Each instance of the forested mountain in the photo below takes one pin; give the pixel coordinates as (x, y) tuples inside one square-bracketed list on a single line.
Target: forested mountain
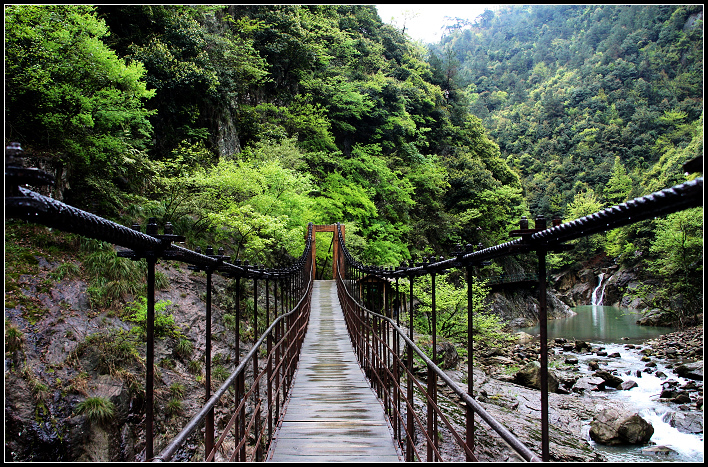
[(240, 124), (317, 113), (575, 93)]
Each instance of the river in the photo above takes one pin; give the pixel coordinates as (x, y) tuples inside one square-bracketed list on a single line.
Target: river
[(613, 328)]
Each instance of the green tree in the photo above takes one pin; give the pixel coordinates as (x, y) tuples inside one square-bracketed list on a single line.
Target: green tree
[(584, 204), (678, 249), (619, 186), (71, 99)]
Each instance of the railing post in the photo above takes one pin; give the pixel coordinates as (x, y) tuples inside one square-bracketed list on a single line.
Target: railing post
[(209, 421), (256, 391), (432, 383), (269, 372), (239, 383), (409, 390), (150, 357), (469, 419), (543, 322)]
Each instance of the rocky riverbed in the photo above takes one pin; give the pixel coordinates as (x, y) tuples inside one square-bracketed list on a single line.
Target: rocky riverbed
[(590, 385), (50, 368)]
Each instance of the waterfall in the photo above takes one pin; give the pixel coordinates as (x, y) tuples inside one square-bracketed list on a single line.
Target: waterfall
[(597, 301)]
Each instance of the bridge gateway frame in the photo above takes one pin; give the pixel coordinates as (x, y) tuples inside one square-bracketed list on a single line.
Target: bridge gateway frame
[(296, 285), (336, 249)]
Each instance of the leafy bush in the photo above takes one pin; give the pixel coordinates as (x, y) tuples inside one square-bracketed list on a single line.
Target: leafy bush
[(174, 407), (164, 322), (97, 409)]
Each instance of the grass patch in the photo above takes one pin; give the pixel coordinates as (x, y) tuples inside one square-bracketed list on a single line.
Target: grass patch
[(97, 409)]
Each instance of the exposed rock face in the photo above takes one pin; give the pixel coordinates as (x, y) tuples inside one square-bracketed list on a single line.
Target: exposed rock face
[(522, 307), (613, 426)]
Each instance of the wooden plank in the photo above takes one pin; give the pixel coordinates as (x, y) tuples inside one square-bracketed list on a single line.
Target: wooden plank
[(332, 414)]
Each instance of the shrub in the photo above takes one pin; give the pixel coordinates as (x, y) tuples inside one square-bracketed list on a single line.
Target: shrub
[(97, 409), (177, 389), (184, 348), (14, 338), (164, 322), (194, 367), (174, 407), (219, 373)]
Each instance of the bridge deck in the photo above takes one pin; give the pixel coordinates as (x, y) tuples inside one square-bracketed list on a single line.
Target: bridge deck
[(332, 414)]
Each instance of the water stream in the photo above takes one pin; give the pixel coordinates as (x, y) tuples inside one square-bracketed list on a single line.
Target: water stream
[(613, 328)]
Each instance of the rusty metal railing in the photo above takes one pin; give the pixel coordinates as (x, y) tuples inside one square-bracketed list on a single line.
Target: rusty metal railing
[(283, 340), (377, 339), (291, 290)]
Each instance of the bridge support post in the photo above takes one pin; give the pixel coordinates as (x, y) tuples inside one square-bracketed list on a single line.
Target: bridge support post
[(432, 383), (469, 418), (410, 424), (543, 322), (209, 421), (150, 358)]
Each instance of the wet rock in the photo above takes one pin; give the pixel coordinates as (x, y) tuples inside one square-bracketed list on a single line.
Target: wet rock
[(589, 384), (659, 451), (613, 426), (681, 398), (627, 385), (691, 370), (523, 338), (571, 360), (580, 345), (530, 376), (610, 379), (447, 355)]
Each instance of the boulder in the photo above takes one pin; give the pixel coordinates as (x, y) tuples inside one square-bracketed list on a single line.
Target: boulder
[(687, 422), (691, 370), (627, 385), (659, 451), (610, 379), (613, 426), (447, 355), (523, 338), (589, 384), (530, 376)]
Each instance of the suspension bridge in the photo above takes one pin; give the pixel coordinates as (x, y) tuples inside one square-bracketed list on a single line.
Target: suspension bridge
[(330, 379)]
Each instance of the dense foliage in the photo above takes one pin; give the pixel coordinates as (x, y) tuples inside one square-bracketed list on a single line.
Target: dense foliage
[(240, 124)]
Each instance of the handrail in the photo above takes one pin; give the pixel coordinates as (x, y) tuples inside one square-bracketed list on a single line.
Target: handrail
[(22, 203), (540, 239), (167, 453), (505, 434)]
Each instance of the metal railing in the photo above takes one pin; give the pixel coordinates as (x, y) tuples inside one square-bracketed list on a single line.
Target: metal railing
[(286, 322), (378, 339)]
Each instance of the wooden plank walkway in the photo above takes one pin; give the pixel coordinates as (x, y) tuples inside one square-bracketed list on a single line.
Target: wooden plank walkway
[(332, 415)]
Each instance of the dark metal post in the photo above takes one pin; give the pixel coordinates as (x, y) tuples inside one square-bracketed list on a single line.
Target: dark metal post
[(269, 347), (469, 419), (150, 358), (409, 389), (432, 384), (209, 421), (256, 392), (543, 322)]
